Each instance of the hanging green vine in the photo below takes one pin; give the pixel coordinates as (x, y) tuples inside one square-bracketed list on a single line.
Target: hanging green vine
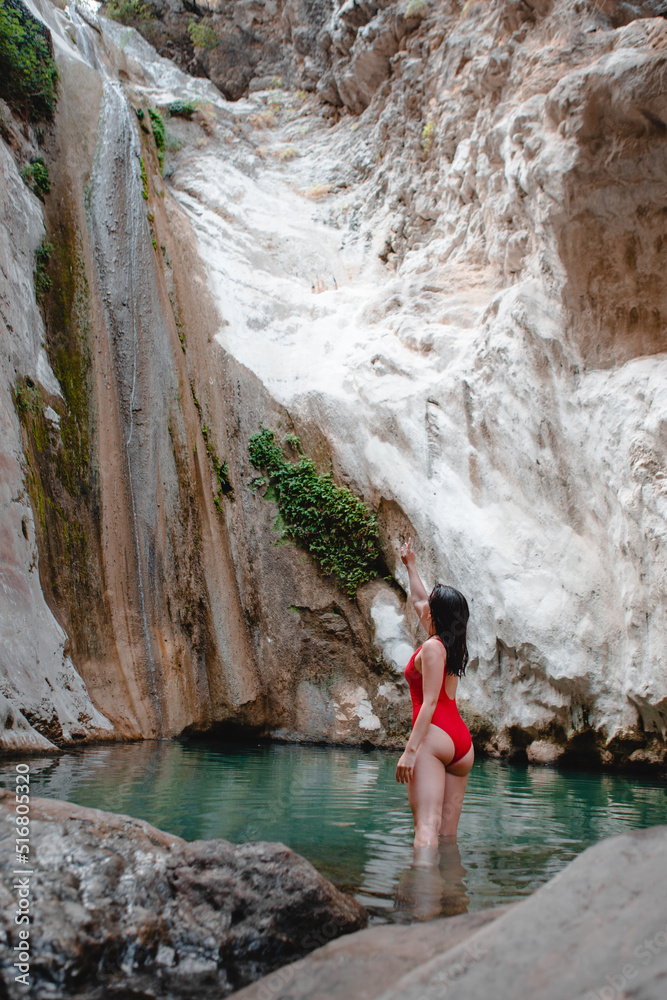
[(328, 520)]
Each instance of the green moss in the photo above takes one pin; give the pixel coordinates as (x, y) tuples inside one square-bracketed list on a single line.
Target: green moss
[(196, 401), (29, 404), (42, 279), (328, 520), (36, 176), (222, 484), (159, 135), (28, 73), (144, 179), (70, 359), (63, 487), (26, 397)]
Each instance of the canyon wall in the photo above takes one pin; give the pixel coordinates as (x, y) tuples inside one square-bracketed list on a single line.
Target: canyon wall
[(429, 242)]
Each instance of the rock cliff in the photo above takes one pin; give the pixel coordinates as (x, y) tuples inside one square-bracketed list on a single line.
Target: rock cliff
[(426, 238)]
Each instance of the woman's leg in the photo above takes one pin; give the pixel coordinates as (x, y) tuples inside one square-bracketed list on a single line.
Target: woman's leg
[(455, 786), (426, 790)]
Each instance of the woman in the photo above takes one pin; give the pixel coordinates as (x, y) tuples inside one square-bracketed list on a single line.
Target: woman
[(439, 754)]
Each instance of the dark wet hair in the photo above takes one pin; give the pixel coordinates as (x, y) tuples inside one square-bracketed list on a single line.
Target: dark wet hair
[(450, 613)]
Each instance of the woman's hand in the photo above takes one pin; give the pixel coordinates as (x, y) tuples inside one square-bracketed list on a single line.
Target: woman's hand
[(406, 766), (407, 555)]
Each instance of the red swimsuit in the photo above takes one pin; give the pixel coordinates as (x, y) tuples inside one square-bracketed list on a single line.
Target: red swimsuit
[(446, 715)]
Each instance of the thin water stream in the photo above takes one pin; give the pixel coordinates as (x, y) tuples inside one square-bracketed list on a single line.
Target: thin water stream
[(342, 809)]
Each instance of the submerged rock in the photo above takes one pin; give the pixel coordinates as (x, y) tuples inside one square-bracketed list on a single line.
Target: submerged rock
[(598, 930), (118, 905)]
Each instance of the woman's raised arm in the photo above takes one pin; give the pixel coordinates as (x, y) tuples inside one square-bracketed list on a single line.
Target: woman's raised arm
[(417, 589)]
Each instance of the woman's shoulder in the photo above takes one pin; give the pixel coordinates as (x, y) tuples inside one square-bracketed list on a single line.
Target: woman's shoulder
[(435, 643)]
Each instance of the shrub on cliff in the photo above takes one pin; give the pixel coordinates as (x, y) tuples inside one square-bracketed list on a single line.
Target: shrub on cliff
[(127, 11), (203, 35), (36, 175), (28, 73), (182, 109), (329, 521), (159, 134)]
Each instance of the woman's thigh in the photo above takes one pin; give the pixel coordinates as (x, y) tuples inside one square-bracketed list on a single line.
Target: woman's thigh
[(426, 790), (455, 787)]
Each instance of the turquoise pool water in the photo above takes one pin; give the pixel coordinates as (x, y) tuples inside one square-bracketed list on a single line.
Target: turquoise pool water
[(342, 809)]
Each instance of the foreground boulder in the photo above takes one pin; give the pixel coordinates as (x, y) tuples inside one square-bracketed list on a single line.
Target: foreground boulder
[(120, 908), (597, 931)]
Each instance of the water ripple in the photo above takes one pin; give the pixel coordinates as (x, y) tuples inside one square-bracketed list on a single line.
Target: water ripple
[(343, 810)]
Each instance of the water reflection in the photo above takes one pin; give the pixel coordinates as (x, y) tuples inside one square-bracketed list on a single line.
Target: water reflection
[(433, 885), (344, 811)]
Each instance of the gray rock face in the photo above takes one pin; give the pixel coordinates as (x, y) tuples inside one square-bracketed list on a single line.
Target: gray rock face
[(118, 905), (598, 931), (244, 45)]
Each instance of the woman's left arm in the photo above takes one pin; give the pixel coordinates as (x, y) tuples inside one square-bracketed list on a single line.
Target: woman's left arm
[(433, 672)]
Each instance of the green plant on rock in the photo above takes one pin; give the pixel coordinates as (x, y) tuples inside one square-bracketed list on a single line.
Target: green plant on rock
[(28, 73), (144, 179), (128, 11), (428, 132), (328, 520), (36, 176), (42, 280), (26, 397), (203, 35), (222, 475), (159, 134), (182, 109)]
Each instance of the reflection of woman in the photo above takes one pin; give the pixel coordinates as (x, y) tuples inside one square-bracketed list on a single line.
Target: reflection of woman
[(433, 885), (439, 754)]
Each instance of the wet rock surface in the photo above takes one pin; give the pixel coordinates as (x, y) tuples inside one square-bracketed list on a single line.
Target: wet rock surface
[(597, 930), (120, 908)]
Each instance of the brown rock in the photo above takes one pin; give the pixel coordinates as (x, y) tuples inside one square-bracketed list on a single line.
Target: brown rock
[(367, 962), (597, 931), (117, 904)]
